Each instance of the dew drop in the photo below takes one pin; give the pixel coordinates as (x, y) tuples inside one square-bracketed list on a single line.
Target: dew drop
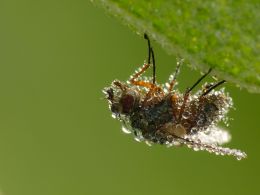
[(195, 148), (169, 145), (149, 143), (202, 147), (239, 154), (185, 115), (193, 130), (113, 115), (125, 130), (200, 122), (176, 143), (189, 145), (137, 139), (239, 158)]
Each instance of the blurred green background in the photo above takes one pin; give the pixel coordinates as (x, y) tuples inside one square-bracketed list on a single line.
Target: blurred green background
[(56, 132)]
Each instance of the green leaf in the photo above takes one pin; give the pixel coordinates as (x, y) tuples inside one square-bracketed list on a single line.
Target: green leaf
[(224, 34)]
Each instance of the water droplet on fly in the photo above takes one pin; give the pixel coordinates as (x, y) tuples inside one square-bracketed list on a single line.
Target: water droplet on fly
[(200, 122), (239, 157), (193, 130), (189, 145), (125, 130), (149, 143), (138, 136), (169, 145), (113, 115), (138, 139), (176, 143), (195, 148), (185, 115)]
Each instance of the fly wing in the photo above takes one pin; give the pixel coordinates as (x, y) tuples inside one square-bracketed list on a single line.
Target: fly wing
[(214, 135), (210, 140)]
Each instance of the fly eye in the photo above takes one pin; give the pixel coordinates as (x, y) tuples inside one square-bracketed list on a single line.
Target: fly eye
[(116, 108), (127, 102)]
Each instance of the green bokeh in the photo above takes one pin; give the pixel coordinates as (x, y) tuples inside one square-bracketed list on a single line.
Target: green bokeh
[(223, 34), (56, 132)]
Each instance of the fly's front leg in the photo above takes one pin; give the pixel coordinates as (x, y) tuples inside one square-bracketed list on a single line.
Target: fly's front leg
[(138, 73)]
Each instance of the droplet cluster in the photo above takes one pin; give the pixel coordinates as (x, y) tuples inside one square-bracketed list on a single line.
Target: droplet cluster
[(213, 148)]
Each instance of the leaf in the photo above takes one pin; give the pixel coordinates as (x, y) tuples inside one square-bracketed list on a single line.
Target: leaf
[(224, 34)]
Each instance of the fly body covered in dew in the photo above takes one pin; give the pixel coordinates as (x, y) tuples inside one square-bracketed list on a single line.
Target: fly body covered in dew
[(160, 114)]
